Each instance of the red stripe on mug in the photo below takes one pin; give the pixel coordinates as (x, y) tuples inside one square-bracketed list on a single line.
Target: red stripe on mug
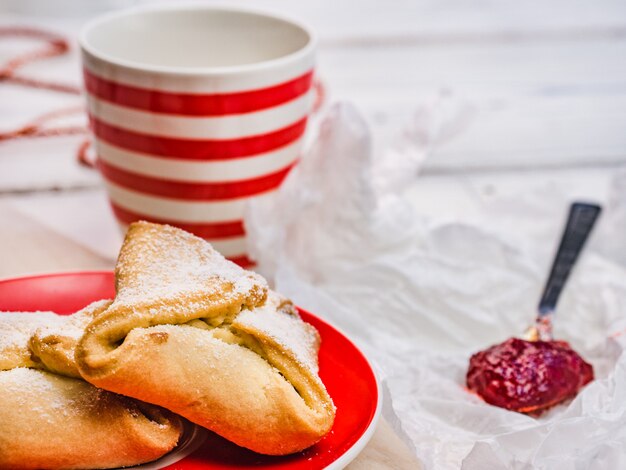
[(242, 261), (209, 230), (197, 149), (192, 191), (188, 104)]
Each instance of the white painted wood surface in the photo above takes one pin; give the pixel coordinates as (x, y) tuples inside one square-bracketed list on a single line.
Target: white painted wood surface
[(543, 83), (540, 88)]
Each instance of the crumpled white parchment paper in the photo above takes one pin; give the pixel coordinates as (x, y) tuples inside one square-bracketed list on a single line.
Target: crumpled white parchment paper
[(420, 296)]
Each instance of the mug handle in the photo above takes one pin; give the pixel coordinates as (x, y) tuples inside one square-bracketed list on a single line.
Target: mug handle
[(319, 95), (84, 157)]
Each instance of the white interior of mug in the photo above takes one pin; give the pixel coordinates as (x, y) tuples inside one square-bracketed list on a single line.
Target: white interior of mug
[(194, 38)]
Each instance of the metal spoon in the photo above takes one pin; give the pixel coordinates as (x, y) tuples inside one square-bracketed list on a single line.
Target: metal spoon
[(581, 219)]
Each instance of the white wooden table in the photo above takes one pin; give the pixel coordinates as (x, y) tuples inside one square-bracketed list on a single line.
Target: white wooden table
[(540, 88)]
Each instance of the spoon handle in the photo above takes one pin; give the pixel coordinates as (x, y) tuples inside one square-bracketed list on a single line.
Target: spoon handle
[(581, 219)]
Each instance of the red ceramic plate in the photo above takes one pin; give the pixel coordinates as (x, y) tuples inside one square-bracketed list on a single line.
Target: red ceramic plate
[(347, 374)]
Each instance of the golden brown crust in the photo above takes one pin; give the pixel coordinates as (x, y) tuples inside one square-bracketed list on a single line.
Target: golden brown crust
[(55, 422), (167, 276), (50, 420), (15, 331), (228, 359), (53, 348)]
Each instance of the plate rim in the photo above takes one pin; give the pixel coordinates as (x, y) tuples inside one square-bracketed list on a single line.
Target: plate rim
[(351, 453), (24, 277), (344, 459)]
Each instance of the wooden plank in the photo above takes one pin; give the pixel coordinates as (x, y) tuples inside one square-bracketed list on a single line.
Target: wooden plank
[(566, 67), (544, 88), (82, 216), (372, 18), (477, 196), (385, 450), (523, 105), (28, 247)]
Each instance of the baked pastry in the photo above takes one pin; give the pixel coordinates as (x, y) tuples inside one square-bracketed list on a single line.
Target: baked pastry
[(53, 340), (51, 419), (198, 335)]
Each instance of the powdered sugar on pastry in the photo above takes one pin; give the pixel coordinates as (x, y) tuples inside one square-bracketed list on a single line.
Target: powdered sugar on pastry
[(231, 356), (22, 379), (278, 320), (16, 329), (28, 384), (72, 326), (148, 274), (53, 346), (54, 422)]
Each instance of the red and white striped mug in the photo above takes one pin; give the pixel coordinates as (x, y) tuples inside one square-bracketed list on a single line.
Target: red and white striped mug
[(194, 110)]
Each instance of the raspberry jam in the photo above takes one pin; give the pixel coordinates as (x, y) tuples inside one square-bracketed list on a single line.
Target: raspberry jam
[(527, 376)]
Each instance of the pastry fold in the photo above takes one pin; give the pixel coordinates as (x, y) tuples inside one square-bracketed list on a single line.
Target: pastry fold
[(51, 419), (200, 336)]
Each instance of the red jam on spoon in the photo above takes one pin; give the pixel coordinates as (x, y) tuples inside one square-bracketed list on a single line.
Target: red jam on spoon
[(528, 376)]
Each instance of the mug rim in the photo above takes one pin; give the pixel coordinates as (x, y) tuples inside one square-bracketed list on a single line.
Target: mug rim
[(262, 65)]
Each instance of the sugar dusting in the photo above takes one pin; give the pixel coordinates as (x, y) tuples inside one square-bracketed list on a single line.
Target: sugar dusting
[(16, 328), (71, 326), (53, 397), (24, 384), (278, 320), (159, 263)]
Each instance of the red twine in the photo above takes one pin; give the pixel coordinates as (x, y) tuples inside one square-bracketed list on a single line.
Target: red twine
[(54, 45)]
